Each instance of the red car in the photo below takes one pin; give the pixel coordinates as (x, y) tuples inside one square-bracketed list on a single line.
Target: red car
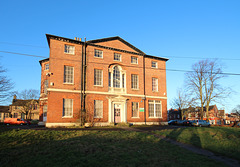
[(15, 121)]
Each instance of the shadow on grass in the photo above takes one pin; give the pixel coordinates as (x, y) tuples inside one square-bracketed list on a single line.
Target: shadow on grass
[(91, 148)]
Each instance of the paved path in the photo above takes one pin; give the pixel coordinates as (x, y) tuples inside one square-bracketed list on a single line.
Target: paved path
[(209, 154)]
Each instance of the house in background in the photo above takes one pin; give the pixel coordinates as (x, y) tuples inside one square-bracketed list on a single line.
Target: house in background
[(19, 107), (4, 113), (174, 114), (193, 113), (110, 79)]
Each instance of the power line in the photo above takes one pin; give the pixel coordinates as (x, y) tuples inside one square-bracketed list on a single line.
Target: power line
[(24, 45), (133, 66), (23, 54), (181, 57)]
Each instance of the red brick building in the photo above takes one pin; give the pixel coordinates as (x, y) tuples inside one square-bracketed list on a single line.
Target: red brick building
[(110, 79)]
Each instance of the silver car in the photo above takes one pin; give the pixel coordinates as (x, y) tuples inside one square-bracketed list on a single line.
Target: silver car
[(201, 123)]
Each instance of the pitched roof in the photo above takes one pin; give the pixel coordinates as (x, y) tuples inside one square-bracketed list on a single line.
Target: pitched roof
[(44, 60), (96, 41), (20, 102), (116, 38)]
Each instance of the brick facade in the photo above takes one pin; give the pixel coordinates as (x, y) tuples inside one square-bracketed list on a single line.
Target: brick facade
[(113, 98)]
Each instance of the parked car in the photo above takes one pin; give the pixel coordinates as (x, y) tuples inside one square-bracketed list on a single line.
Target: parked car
[(200, 123), (172, 122), (15, 121), (187, 123)]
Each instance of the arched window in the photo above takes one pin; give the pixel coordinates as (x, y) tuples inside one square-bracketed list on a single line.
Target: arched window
[(116, 77)]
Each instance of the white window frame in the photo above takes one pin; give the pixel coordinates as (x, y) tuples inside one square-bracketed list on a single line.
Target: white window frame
[(154, 64), (134, 81), (98, 108), (111, 77), (98, 53), (46, 66), (69, 49), (117, 57), (98, 77), (67, 108), (154, 104), (68, 75), (134, 60), (135, 110), (155, 84)]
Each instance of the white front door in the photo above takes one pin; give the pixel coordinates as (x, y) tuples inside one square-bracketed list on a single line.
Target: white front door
[(117, 112)]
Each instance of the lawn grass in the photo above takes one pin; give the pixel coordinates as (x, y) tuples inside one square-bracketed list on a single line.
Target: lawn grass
[(92, 148), (221, 140)]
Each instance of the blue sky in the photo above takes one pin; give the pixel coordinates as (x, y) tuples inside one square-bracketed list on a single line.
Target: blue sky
[(165, 28)]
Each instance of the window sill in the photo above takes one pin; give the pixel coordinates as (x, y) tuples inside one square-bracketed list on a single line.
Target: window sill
[(68, 83), (136, 117), (155, 91), (154, 67), (134, 63), (118, 60), (155, 117), (98, 57), (135, 89), (67, 117), (69, 53), (98, 117), (98, 86)]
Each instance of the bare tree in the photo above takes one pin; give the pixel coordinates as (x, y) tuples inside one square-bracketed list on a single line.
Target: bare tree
[(28, 94), (28, 101), (6, 85), (237, 111), (182, 102), (203, 84)]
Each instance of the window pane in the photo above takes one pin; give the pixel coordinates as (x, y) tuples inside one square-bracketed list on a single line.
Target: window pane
[(151, 109), (69, 49), (154, 64), (123, 80), (117, 56), (97, 77), (98, 108), (134, 60), (46, 66), (45, 86), (158, 110), (154, 84), (116, 77), (68, 74), (134, 109), (109, 79), (134, 81), (98, 53), (67, 107)]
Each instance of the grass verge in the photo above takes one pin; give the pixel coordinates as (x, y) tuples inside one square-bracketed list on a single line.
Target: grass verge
[(91, 148), (220, 140)]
